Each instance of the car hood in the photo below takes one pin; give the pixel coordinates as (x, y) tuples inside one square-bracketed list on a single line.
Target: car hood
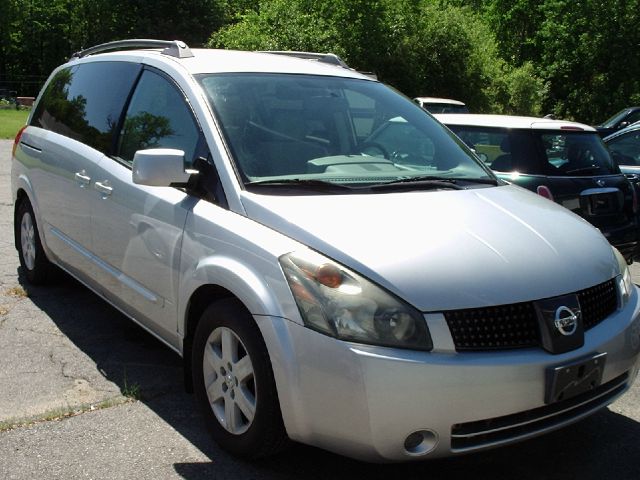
[(448, 249)]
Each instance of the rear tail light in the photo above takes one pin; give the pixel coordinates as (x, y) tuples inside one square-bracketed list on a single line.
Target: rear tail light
[(544, 191), (17, 140)]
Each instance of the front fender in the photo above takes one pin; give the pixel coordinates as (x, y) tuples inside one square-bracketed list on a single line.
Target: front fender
[(264, 292)]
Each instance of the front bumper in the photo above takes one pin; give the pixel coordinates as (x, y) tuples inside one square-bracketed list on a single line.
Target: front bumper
[(365, 401)]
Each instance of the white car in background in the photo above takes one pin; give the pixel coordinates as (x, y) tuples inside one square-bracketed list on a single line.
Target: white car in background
[(441, 105)]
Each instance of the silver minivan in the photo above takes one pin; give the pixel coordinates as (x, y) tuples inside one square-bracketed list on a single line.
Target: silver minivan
[(385, 305)]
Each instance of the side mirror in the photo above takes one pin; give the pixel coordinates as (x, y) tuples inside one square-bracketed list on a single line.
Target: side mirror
[(160, 167), (622, 125)]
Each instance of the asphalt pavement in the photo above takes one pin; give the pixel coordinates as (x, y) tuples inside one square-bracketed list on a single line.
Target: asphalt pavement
[(85, 393)]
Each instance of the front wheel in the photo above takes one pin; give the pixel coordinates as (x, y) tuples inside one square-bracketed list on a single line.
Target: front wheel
[(32, 257), (233, 382)]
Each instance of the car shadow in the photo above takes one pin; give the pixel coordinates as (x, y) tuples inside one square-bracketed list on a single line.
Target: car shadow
[(604, 445)]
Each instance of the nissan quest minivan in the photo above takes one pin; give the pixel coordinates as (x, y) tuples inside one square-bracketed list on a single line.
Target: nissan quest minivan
[(385, 305)]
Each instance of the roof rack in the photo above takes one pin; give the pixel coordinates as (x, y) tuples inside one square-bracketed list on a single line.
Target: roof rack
[(330, 58), (174, 48)]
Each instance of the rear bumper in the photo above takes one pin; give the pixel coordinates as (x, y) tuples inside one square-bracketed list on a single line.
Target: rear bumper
[(364, 401)]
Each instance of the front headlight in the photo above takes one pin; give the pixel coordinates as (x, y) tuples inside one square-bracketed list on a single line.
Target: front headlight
[(624, 279), (340, 303)]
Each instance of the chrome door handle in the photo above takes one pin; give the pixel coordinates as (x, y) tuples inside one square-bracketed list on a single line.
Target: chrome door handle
[(83, 178), (103, 187)]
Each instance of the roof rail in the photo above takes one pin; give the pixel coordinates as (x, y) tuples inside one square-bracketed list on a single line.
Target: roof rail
[(174, 48), (330, 58)]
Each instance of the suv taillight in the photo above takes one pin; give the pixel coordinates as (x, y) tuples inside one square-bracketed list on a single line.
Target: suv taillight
[(17, 141)]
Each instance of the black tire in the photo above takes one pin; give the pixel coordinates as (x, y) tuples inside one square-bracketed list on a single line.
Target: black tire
[(251, 438), (33, 260)]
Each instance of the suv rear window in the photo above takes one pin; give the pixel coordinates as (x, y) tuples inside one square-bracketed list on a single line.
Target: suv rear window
[(539, 152), (84, 102)]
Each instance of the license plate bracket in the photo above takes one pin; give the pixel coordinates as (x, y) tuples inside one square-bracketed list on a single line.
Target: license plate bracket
[(568, 380)]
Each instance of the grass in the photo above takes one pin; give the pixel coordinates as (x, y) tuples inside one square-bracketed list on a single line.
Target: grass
[(131, 391), (57, 414), (11, 121)]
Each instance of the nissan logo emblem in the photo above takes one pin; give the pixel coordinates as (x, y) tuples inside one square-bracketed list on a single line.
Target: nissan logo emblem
[(566, 321)]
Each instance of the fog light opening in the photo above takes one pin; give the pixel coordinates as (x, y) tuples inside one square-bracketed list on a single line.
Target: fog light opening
[(420, 442)]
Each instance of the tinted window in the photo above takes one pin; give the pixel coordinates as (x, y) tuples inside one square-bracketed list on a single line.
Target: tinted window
[(539, 152), (158, 117), (626, 148), (84, 102), (445, 108), (633, 117), (504, 150), (577, 154)]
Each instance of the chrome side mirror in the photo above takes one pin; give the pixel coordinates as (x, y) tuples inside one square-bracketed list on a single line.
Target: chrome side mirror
[(160, 167)]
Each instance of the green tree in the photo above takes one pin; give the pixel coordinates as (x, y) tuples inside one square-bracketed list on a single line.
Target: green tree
[(589, 57), (421, 48)]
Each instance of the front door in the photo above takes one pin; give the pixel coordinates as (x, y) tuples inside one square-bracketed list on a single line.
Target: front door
[(137, 230)]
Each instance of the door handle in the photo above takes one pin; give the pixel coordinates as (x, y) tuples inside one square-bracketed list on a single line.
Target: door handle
[(83, 178), (104, 187)]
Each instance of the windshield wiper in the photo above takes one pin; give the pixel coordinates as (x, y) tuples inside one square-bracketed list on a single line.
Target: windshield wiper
[(590, 168), (314, 184), (432, 181)]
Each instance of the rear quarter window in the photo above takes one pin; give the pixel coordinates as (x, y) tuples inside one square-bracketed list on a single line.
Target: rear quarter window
[(85, 102)]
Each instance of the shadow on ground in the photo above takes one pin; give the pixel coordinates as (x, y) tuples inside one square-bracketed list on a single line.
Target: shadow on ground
[(603, 446)]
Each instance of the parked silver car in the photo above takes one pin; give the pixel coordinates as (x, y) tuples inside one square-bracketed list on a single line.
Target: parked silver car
[(236, 206)]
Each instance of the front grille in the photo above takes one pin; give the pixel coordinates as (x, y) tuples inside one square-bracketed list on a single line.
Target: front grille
[(516, 325), (467, 437), (597, 303), (493, 328)]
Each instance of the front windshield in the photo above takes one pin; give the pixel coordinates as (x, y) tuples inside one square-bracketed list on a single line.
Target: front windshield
[(331, 129), (613, 121)]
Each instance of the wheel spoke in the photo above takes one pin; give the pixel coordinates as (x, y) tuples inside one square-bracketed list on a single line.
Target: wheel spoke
[(229, 346), (213, 359), (231, 415), (246, 403), (214, 389), (243, 369)]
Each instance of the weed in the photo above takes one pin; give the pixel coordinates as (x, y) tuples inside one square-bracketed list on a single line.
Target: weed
[(17, 292), (131, 391)]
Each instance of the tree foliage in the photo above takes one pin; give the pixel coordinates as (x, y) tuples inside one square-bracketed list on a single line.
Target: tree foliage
[(585, 50), (421, 48), (575, 58)]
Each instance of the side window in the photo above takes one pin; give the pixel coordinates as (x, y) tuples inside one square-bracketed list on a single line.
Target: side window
[(84, 102), (633, 118), (626, 149), (158, 117)]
